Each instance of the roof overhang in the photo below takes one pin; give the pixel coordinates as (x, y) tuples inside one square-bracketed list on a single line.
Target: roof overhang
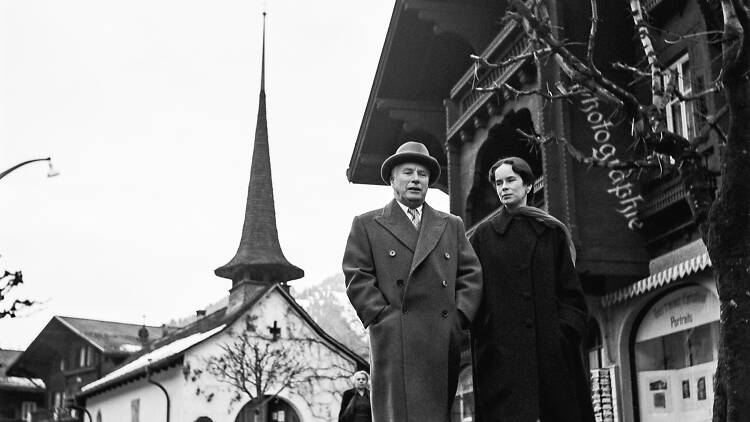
[(426, 50), (689, 259)]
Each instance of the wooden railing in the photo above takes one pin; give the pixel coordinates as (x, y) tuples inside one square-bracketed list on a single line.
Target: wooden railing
[(464, 101)]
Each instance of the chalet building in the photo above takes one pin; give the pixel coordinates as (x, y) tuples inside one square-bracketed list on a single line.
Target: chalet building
[(19, 397), (173, 380), (652, 342), (71, 352)]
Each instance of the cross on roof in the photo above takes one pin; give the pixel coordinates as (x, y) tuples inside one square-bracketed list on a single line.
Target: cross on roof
[(275, 331)]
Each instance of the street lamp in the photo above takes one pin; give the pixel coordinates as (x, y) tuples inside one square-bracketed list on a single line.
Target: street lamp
[(52, 172)]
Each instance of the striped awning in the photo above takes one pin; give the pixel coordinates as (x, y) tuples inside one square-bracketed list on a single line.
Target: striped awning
[(654, 281)]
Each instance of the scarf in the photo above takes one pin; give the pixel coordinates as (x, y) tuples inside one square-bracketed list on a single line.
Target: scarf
[(549, 221)]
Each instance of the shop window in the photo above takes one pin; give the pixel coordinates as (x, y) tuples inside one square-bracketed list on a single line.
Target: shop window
[(463, 405), (680, 114), (675, 353)]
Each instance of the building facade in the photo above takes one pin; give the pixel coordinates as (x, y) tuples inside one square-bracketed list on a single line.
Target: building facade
[(173, 377), (652, 340), (71, 352), (19, 397)]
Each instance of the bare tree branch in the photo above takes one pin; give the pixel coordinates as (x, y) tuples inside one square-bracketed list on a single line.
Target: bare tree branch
[(592, 36), (259, 367), (733, 40), (658, 99), (481, 61), (14, 279), (653, 161)]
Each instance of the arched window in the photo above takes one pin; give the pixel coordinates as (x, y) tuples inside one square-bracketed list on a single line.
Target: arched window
[(274, 410), (204, 419), (98, 416), (675, 354)]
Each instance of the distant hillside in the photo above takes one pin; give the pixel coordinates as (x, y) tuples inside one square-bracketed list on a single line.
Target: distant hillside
[(329, 306)]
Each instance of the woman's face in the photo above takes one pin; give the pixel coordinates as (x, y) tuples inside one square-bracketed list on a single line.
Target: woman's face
[(360, 381), (510, 187)]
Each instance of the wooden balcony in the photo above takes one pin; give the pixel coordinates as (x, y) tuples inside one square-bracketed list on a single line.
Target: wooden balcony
[(464, 101), (666, 210)]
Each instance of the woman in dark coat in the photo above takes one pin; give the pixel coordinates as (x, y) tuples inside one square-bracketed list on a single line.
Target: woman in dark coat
[(355, 403), (527, 333)]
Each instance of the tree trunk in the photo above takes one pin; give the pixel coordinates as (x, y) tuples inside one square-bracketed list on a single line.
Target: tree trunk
[(729, 243)]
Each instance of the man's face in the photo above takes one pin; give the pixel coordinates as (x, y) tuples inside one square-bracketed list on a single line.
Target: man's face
[(510, 187), (409, 182)]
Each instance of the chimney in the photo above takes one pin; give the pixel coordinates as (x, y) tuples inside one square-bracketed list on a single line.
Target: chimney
[(200, 313)]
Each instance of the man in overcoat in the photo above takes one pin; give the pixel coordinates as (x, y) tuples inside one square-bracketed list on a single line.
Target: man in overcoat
[(416, 283)]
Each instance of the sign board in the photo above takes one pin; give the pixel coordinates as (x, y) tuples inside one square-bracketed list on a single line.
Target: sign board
[(680, 310)]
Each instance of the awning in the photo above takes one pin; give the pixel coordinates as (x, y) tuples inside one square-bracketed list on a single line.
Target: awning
[(662, 278)]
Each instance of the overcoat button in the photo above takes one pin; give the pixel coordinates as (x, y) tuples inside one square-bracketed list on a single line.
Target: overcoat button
[(445, 314), (399, 282), (528, 323), (444, 283), (447, 255), (405, 311), (392, 252)]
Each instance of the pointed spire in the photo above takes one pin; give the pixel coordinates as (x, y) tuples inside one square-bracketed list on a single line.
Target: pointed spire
[(263, 59), (259, 258)]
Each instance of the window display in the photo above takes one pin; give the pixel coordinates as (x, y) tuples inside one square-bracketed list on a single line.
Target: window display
[(675, 356)]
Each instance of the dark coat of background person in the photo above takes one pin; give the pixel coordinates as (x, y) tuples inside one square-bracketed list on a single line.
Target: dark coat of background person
[(408, 287), (527, 332), (346, 413)]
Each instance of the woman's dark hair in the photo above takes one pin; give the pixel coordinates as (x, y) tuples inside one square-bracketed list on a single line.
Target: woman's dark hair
[(519, 166)]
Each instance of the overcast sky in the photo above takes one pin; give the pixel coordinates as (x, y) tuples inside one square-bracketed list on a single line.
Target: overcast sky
[(148, 110)]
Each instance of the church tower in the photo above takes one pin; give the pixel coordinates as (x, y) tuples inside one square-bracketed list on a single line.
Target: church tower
[(259, 261)]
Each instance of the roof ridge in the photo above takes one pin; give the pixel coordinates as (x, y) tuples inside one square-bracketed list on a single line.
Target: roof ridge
[(107, 321)]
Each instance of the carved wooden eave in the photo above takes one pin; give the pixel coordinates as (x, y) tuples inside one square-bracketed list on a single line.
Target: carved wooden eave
[(464, 20), (417, 116), (426, 49)]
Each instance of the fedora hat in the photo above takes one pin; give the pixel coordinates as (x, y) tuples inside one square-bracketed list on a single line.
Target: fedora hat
[(410, 152)]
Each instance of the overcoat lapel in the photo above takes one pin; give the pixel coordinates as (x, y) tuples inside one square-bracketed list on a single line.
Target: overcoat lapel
[(432, 227), (397, 223)]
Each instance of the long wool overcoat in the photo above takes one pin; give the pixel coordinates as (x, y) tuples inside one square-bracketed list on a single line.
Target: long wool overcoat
[(408, 287), (527, 332)]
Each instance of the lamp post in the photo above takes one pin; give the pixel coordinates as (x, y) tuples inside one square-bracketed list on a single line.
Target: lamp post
[(52, 172)]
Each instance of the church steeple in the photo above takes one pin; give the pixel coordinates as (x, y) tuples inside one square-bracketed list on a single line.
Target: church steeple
[(259, 259)]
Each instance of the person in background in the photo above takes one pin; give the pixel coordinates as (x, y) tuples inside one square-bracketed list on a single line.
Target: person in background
[(526, 335), (355, 402)]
